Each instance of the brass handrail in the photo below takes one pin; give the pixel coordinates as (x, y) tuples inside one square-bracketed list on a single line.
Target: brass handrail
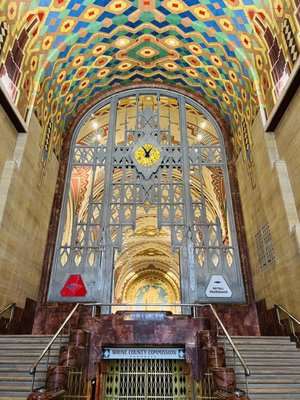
[(292, 319), (246, 369), (32, 370), (34, 366), (12, 308)]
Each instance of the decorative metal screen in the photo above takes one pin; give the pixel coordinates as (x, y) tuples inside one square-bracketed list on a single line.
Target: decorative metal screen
[(77, 385), (264, 247), (146, 380), (205, 389), (150, 152)]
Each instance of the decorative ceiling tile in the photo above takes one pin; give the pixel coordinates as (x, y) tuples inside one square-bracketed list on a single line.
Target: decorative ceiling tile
[(76, 49)]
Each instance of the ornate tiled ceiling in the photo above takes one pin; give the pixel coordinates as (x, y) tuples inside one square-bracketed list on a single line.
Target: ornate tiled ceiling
[(236, 54)]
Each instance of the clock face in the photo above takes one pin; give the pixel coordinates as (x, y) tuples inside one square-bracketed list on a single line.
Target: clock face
[(147, 155)]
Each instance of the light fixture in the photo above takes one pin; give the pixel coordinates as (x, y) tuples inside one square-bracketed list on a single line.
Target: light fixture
[(97, 137), (200, 136), (172, 42), (203, 124), (122, 42)]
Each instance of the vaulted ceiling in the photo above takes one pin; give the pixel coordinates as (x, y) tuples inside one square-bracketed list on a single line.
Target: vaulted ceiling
[(57, 56)]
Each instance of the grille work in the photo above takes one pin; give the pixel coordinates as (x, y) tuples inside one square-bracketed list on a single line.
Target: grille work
[(147, 380)]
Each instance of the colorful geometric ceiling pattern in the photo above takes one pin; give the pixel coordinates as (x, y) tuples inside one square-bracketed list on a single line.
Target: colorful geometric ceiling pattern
[(58, 55)]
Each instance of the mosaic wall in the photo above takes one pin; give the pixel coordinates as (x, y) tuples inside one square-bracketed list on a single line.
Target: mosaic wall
[(57, 55)]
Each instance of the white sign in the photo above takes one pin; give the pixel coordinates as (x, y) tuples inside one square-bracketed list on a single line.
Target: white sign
[(217, 287), (113, 353)]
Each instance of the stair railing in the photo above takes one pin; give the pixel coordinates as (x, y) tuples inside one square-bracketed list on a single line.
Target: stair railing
[(10, 307), (291, 318), (32, 370), (47, 349), (234, 348)]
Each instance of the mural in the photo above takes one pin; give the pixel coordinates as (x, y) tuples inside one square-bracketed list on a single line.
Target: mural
[(151, 288), (236, 54), (154, 293)]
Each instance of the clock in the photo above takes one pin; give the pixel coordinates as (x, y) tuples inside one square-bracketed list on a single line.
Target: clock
[(147, 154)]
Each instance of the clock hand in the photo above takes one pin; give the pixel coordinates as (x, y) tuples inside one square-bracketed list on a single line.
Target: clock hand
[(147, 152)]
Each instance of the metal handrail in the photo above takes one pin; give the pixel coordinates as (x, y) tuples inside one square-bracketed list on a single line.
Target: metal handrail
[(238, 354), (12, 308), (34, 366), (292, 319), (235, 350)]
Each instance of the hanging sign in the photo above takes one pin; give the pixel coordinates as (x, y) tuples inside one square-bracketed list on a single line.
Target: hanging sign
[(113, 353), (218, 287)]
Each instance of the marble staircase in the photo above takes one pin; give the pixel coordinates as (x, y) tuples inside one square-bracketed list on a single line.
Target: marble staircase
[(17, 354), (274, 363)]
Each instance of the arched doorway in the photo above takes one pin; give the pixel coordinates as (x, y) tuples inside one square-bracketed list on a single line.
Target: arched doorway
[(147, 211)]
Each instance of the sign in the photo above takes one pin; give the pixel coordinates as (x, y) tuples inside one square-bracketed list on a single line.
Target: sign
[(74, 287), (116, 353), (217, 287)]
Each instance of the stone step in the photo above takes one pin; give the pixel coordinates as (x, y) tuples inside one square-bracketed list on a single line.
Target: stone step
[(270, 356), (24, 373), (275, 380), (270, 372), (277, 348), (254, 347), (22, 378), (9, 395), (259, 344), (27, 338), (34, 353), (17, 355), (26, 361), (6, 369), (32, 342), (27, 345), (266, 363), (271, 390), (257, 338), (22, 389), (274, 363), (272, 396)]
